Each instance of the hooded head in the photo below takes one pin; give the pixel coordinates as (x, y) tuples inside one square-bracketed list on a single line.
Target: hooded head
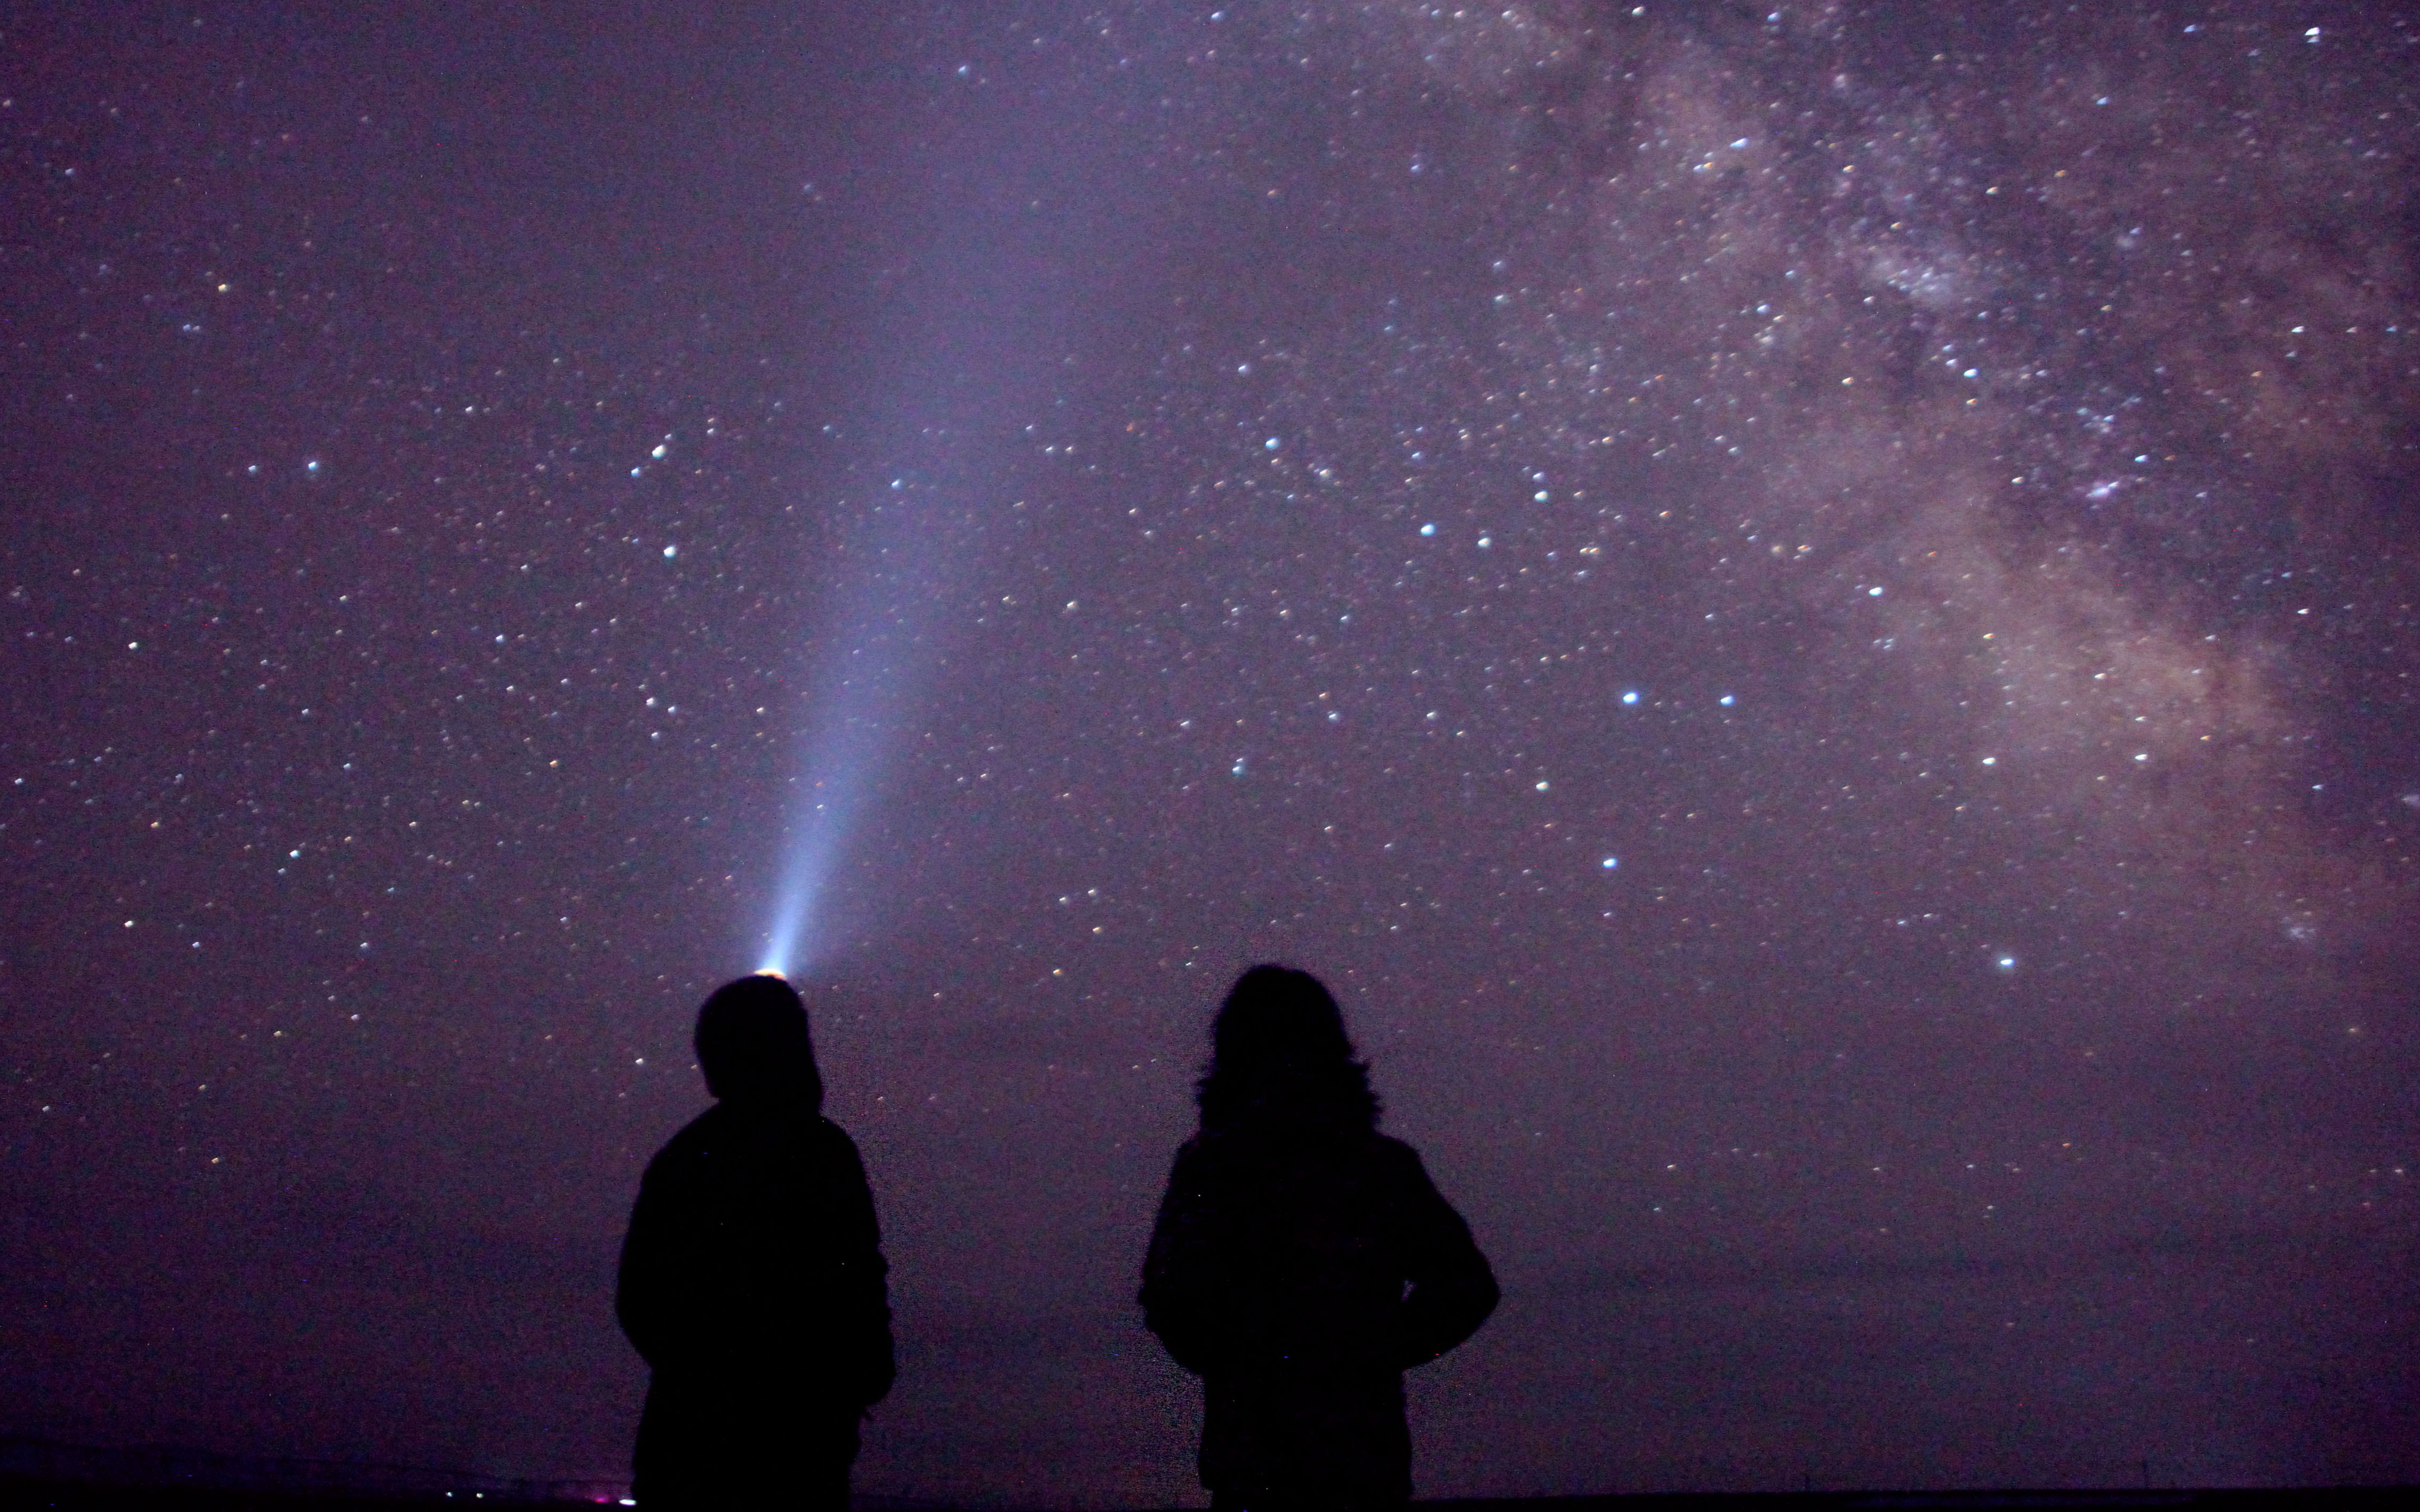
[(1278, 1051), (752, 1045)]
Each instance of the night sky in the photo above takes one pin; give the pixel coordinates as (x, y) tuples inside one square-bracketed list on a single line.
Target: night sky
[(1811, 614)]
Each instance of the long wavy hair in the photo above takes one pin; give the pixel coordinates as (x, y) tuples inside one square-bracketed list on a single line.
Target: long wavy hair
[(753, 1045), (1279, 1054)]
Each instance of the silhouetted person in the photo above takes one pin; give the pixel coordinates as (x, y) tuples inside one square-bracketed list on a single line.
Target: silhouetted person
[(1303, 1261), (753, 1278)]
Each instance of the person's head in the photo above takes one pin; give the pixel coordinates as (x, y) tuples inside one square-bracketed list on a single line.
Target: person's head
[(753, 1044), (1279, 1048)]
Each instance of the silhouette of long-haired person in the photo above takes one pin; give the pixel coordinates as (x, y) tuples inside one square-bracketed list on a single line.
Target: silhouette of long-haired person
[(752, 1279), (1303, 1261)]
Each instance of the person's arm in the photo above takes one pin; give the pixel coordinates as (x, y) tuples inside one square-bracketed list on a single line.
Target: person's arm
[(643, 1288), (1452, 1291), (1175, 1279), (863, 1293)]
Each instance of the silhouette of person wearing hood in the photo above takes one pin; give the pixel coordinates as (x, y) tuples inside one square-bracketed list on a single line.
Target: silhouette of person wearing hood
[(1302, 1261), (752, 1278)]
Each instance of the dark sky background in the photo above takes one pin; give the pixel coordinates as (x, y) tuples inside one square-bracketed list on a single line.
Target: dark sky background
[(1927, 489)]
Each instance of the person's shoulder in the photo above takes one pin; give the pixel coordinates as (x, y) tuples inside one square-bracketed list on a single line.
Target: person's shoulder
[(695, 1140), (1395, 1156), (829, 1141), (1198, 1153)]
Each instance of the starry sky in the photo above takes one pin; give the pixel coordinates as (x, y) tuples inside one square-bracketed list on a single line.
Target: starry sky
[(1811, 612)]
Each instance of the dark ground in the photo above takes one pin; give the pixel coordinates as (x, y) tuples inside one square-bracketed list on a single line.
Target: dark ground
[(21, 1492), (35, 1473)]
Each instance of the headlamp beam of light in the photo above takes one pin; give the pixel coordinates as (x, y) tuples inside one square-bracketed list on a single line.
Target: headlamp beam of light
[(792, 943)]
